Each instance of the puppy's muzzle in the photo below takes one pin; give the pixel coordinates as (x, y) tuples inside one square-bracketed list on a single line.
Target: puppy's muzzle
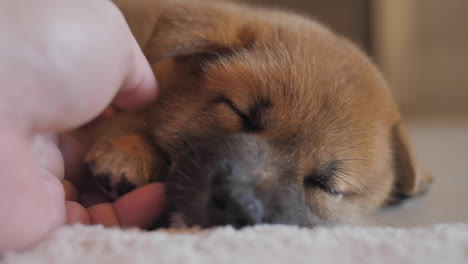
[(233, 203), (236, 180)]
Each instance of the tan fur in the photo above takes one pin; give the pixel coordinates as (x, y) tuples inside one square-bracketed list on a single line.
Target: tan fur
[(329, 101)]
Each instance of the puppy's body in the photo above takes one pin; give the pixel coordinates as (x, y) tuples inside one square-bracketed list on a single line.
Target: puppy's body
[(264, 117)]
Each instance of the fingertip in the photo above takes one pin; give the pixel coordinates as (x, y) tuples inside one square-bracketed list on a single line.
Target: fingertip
[(71, 193), (140, 87), (142, 206), (103, 214), (77, 214)]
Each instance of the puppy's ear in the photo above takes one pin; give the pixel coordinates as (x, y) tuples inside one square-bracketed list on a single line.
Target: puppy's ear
[(199, 27), (409, 180)]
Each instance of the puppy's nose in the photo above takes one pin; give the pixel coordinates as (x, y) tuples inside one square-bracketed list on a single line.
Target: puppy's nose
[(234, 204)]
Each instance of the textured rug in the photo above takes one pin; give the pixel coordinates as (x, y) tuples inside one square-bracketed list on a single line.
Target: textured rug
[(447, 243)]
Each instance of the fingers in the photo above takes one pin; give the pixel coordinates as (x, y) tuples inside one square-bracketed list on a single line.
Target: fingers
[(77, 214), (31, 199), (35, 212), (139, 208), (142, 206), (71, 193), (63, 64), (102, 214), (88, 195)]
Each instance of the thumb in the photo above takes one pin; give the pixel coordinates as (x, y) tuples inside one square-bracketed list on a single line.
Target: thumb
[(140, 87)]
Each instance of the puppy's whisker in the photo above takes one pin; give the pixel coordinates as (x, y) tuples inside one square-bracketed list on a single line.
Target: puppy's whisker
[(186, 177), (179, 186), (196, 162), (192, 147), (183, 190), (191, 159), (182, 187)]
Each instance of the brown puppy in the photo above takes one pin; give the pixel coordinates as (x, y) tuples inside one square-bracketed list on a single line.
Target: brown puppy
[(264, 117)]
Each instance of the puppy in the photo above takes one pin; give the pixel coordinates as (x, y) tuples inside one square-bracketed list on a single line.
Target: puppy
[(263, 117)]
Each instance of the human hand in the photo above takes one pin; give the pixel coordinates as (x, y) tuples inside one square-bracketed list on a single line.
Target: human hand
[(61, 64)]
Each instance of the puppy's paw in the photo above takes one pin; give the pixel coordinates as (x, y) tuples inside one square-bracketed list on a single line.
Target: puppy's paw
[(124, 163)]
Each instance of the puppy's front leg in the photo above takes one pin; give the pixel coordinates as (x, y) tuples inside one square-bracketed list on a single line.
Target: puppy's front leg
[(121, 155)]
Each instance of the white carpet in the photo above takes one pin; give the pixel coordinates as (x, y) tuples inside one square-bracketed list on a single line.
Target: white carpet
[(262, 244)]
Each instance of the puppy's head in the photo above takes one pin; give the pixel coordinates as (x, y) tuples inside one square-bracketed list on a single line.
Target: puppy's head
[(268, 117)]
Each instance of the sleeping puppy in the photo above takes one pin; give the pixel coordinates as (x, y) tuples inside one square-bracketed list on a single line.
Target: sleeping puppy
[(264, 117)]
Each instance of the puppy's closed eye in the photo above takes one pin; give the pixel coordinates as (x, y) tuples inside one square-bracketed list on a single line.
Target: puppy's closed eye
[(324, 179), (252, 121)]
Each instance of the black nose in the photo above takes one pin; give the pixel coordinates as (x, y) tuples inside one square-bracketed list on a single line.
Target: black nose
[(234, 204)]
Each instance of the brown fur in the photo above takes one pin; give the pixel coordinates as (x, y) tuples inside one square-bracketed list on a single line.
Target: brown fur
[(312, 103)]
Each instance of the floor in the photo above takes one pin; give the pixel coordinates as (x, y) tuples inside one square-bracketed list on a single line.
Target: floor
[(442, 149)]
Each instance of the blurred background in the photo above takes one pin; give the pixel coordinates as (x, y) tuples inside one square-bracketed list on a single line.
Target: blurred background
[(422, 48)]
